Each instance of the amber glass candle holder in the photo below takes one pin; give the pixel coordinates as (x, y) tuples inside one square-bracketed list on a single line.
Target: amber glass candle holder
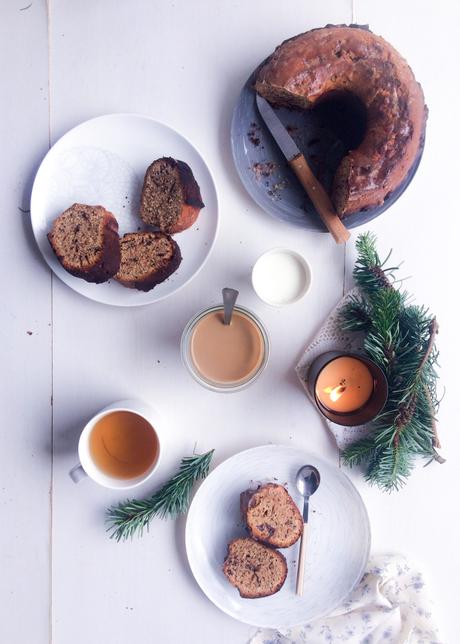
[(375, 389)]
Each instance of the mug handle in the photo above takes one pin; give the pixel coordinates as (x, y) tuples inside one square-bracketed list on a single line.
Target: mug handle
[(77, 473)]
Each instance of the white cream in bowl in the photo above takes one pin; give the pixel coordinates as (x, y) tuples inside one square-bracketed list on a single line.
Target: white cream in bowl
[(281, 276)]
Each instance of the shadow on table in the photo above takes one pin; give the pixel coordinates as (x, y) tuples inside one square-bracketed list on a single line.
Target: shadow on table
[(67, 432), (24, 213), (179, 537)]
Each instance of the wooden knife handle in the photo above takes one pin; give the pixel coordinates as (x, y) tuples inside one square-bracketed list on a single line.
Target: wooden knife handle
[(301, 561), (320, 199)]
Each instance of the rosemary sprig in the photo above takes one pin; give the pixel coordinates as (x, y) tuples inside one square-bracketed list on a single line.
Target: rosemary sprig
[(131, 517)]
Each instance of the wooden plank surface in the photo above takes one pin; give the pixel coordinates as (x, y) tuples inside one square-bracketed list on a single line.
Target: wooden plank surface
[(124, 62), (422, 228), (25, 332), (184, 64)]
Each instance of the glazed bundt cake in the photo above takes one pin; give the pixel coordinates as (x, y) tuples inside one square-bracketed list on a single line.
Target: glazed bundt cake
[(339, 61)]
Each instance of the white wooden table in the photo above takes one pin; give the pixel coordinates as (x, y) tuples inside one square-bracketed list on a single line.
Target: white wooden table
[(64, 357)]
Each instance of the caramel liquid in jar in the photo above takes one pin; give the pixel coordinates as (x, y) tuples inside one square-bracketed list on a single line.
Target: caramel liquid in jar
[(227, 354), (344, 385), (123, 445)]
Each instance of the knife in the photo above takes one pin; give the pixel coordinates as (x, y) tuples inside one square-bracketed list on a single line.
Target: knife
[(303, 172)]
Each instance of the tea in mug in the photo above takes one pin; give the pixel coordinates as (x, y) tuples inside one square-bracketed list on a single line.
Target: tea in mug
[(123, 445)]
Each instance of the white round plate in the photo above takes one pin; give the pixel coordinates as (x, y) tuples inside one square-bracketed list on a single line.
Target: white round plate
[(103, 162), (338, 537)]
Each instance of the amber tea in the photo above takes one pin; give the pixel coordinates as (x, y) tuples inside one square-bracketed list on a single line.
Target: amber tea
[(123, 445)]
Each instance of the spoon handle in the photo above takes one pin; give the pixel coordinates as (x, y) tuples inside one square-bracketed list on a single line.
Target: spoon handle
[(229, 296), (301, 562)]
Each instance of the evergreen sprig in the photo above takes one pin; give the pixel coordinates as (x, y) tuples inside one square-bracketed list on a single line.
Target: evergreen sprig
[(133, 516), (400, 338)]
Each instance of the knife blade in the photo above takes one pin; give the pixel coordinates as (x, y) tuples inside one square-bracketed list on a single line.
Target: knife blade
[(303, 172), (283, 139)]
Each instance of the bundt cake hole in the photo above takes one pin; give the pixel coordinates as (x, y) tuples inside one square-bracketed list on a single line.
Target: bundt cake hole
[(344, 114)]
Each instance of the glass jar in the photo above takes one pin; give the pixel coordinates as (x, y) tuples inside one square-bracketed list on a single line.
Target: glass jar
[(251, 334)]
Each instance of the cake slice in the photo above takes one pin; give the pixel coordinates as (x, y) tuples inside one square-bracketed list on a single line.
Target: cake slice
[(254, 569), (271, 515), (147, 259), (85, 241), (171, 198)]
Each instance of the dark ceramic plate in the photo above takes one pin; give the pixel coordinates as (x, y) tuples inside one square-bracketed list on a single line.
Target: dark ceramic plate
[(268, 178)]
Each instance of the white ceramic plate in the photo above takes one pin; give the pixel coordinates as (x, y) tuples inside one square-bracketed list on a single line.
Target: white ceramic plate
[(338, 537), (103, 161)]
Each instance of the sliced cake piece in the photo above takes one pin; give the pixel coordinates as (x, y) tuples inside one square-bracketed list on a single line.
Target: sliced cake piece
[(171, 198), (147, 259), (85, 241), (254, 569), (271, 515)]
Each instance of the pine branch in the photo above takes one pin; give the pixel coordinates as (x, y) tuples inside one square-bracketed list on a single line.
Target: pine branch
[(356, 315), (400, 338), (133, 516), (369, 272), (407, 408)]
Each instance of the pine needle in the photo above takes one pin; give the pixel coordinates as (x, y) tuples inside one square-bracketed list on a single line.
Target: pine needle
[(400, 338), (133, 516)]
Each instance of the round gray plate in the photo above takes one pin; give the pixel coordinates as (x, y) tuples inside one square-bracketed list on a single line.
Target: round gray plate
[(268, 178)]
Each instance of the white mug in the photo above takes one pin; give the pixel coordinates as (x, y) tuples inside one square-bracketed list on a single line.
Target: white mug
[(87, 466)]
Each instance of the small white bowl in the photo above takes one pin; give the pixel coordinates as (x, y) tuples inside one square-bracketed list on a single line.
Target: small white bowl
[(281, 276)]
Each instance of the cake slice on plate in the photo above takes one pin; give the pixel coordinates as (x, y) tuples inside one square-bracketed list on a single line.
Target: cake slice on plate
[(254, 569), (271, 515), (85, 241), (171, 198), (147, 259)]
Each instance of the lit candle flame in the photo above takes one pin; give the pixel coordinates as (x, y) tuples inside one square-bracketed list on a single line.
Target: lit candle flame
[(335, 392)]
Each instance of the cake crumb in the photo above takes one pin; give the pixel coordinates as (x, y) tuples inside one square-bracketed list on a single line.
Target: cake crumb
[(253, 134), (263, 169), (275, 190)]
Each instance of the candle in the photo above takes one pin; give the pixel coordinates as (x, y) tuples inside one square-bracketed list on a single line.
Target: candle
[(344, 385)]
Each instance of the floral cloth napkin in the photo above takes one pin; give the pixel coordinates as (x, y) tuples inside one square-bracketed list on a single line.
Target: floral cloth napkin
[(388, 606)]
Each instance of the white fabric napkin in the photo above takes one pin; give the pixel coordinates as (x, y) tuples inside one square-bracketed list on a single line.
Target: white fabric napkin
[(388, 606)]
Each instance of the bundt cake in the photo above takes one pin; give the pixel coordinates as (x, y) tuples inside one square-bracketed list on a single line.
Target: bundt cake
[(147, 259), (254, 569), (339, 61), (85, 241), (271, 515), (171, 198)]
